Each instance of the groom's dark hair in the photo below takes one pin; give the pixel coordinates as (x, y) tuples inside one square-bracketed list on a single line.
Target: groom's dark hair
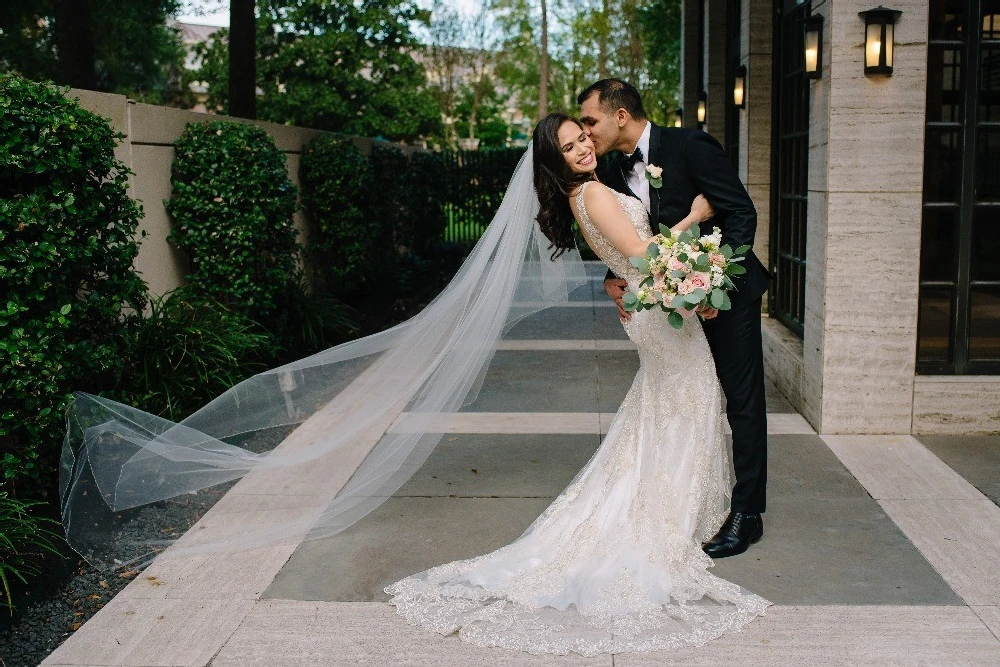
[(614, 94)]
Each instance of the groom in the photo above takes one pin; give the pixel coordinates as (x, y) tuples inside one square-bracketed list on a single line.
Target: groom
[(694, 163)]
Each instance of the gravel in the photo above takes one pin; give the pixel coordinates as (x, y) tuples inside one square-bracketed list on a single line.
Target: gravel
[(47, 623)]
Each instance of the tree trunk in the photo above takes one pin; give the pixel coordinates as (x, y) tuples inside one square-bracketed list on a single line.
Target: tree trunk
[(543, 86), (75, 43), (602, 41), (242, 59)]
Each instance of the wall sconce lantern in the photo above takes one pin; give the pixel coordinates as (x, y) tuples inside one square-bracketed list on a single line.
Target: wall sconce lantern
[(740, 87), (679, 118), (879, 26), (702, 107), (814, 45)]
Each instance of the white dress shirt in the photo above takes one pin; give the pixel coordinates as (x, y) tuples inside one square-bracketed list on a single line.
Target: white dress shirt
[(636, 178)]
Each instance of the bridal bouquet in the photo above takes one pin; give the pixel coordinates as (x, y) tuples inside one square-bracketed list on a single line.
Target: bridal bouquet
[(685, 272)]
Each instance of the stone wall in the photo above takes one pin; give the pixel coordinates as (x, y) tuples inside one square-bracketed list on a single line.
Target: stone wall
[(854, 369), (148, 150)]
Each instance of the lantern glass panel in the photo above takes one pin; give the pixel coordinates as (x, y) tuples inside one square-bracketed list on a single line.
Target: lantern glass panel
[(812, 50), (738, 91), (873, 44)]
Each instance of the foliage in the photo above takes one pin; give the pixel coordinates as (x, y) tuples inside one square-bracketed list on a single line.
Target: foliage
[(24, 539), (67, 228), (637, 40), (424, 188), (460, 56), (659, 22), (232, 212), (336, 194), (103, 45), (389, 166), (309, 320), (340, 65), (185, 351)]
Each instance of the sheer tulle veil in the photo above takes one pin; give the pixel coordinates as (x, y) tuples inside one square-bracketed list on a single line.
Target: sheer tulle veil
[(360, 418)]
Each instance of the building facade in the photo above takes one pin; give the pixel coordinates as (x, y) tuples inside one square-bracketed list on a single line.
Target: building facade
[(878, 196)]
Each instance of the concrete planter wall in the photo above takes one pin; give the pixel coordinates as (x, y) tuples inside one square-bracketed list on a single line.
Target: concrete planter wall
[(148, 150)]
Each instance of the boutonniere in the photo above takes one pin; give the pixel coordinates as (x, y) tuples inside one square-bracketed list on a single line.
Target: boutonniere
[(654, 175)]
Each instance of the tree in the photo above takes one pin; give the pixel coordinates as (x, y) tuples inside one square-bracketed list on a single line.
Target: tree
[(340, 65), (444, 60), (103, 45), (242, 59), (525, 62)]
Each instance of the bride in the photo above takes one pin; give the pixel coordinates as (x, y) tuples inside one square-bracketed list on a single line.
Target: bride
[(615, 563)]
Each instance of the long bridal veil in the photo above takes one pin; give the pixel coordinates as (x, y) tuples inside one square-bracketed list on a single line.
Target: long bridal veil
[(360, 417)]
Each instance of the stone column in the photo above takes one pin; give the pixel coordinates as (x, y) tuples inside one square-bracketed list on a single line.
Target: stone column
[(863, 248)]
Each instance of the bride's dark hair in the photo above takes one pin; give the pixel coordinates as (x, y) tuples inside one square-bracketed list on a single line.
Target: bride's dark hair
[(553, 182)]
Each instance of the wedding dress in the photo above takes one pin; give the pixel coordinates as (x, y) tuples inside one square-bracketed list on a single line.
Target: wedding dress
[(615, 563)]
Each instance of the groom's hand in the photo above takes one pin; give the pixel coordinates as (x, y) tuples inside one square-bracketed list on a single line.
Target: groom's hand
[(708, 313), (615, 288)]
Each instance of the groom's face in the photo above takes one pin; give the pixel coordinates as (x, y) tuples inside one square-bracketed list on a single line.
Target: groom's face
[(602, 127)]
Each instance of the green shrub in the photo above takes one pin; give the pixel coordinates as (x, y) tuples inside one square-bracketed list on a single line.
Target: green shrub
[(424, 189), (309, 321), (390, 206), (67, 243), (232, 213), (24, 541), (185, 351), (344, 237)]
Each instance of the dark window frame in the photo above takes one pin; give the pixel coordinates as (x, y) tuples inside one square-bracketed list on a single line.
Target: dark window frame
[(969, 129), (789, 167)]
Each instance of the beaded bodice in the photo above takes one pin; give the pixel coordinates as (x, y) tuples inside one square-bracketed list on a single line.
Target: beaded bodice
[(604, 249)]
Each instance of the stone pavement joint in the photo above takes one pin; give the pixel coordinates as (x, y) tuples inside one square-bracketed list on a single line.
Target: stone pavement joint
[(830, 549)]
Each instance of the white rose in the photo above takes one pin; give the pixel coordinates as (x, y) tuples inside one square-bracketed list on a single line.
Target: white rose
[(654, 171)]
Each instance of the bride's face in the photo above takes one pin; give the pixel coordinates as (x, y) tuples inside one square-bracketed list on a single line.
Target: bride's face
[(577, 148)]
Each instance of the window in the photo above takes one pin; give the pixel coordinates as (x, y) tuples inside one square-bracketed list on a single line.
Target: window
[(790, 162), (959, 314)]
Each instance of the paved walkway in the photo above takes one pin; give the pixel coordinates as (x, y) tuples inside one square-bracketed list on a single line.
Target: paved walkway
[(878, 549)]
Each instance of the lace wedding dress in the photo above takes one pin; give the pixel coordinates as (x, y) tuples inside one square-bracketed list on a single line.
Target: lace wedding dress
[(614, 564)]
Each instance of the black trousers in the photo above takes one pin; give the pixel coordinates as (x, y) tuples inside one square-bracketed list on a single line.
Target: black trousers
[(735, 339)]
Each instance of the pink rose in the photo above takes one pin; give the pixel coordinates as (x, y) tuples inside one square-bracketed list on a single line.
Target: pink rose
[(699, 281), (676, 265), (716, 259), (685, 287)]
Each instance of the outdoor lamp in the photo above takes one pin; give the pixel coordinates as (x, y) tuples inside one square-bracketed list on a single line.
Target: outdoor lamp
[(740, 87), (813, 45), (679, 118), (879, 24), (702, 106)]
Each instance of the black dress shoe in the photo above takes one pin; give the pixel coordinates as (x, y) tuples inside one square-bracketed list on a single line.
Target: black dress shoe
[(736, 535)]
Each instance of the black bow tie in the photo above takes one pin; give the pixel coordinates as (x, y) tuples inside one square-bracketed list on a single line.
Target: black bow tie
[(629, 160)]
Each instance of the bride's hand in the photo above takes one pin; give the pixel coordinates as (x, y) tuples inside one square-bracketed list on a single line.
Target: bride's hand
[(701, 210)]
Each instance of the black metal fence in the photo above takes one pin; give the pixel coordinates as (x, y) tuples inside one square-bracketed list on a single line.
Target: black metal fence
[(477, 181)]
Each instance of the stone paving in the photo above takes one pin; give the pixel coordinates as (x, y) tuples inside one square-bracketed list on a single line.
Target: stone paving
[(877, 550)]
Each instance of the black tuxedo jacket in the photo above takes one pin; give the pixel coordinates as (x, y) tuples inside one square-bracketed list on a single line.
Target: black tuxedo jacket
[(694, 163)]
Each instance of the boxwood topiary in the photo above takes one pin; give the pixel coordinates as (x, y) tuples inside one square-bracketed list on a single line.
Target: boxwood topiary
[(67, 243), (345, 234), (232, 213)]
